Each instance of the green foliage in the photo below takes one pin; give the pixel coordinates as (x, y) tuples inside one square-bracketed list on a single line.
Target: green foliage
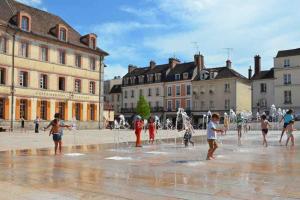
[(143, 108)]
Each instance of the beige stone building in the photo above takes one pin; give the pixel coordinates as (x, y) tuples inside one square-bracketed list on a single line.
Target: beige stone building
[(262, 87), (287, 81), (49, 67), (219, 90)]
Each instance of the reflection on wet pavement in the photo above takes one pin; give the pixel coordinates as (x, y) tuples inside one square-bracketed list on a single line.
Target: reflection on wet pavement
[(163, 171)]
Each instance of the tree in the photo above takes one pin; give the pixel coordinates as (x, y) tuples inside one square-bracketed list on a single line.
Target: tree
[(143, 108)]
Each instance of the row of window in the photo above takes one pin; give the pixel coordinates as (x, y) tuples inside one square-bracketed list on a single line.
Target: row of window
[(44, 110), (44, 54), (212, 104), (151, 78), (178, 90), (44, 82), (178, 104), (141, 93), (62, 31), (151, 104)]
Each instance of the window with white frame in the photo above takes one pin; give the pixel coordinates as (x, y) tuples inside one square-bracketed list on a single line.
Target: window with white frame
[(287, 97), (211, 104), (141, 79), (263, 87), (188, 104), (92, 63), (125, 94), (43, 110), (149, 92), (177, 90), (3, 44), (227, 87), (25, 23), (61, 83), (24, 48), (185, 76), (44, 53), (43, 81), (78, 60), (287, 79), (150, 78), (188, 90), (62, 57), (227, 104), (141, 92), (2, 76), (132, 93), (125, 105), (169, 105), (177, 77), (169, 91), (63, 34), (157, 92), (77, 86), (157, 77), (92, 87), (263, 103), (286, 63), (177, 104), (23, 79)]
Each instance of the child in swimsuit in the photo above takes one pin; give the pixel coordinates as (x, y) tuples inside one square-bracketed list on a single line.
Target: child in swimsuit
[(264, 129), (55, 132), (290, 129)]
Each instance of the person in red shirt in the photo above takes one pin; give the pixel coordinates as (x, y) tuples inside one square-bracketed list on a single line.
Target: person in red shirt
[(152, 129), (138, 131)]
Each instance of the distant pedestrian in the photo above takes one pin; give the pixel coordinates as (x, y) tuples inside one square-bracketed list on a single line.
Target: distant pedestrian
[(239, 124), (265, 129), (22, 124), (36, 125)]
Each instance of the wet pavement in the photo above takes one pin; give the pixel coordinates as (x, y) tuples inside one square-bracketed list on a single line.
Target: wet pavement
[(161, 171)]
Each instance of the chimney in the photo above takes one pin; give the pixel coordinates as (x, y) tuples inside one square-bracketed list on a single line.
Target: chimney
[(249, 73), (152, 64), (199, 62), (257, 64), (173, 62), (228, 63), (131, 68)]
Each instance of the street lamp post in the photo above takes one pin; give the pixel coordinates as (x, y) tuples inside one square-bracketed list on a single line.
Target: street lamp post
[(12, 89)]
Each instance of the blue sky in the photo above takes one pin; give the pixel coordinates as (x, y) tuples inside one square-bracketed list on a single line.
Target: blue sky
[(137, 31)]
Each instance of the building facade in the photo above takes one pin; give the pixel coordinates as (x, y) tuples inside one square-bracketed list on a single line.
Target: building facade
[(48, 67), (262, 87), (219, 90), (287, 82), (115, 96)]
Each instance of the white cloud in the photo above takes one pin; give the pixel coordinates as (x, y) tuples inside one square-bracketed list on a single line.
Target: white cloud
[(139, 12), (114, 70)]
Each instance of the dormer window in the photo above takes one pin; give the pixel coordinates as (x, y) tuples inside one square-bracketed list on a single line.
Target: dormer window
[(212, 75), (93, 43), (25, 23), (157, 77), (185, 76), (141, 79), (63, 34), (177, 77)]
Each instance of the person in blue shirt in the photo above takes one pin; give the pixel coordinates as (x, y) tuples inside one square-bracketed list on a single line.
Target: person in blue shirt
[(287, 118)]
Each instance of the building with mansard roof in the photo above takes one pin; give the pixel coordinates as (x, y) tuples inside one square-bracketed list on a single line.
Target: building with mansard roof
[(46, 67)]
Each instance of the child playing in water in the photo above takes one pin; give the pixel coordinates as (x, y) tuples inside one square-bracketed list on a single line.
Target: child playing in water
[(239, 123), (187, 138), (55, 131), (264, 129), (152, 129), (289, 131), (212, 135)]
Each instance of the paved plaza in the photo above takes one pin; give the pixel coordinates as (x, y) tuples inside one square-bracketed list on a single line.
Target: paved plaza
[(162, 171)]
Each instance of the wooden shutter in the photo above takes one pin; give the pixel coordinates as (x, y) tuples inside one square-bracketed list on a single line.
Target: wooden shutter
[(81, 111), (38, 108), (29, 108), (6, 109), (56, 107), (88, 112), (95, 112), (73, 110), (48, 110), (17, 110), (66, 111)]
